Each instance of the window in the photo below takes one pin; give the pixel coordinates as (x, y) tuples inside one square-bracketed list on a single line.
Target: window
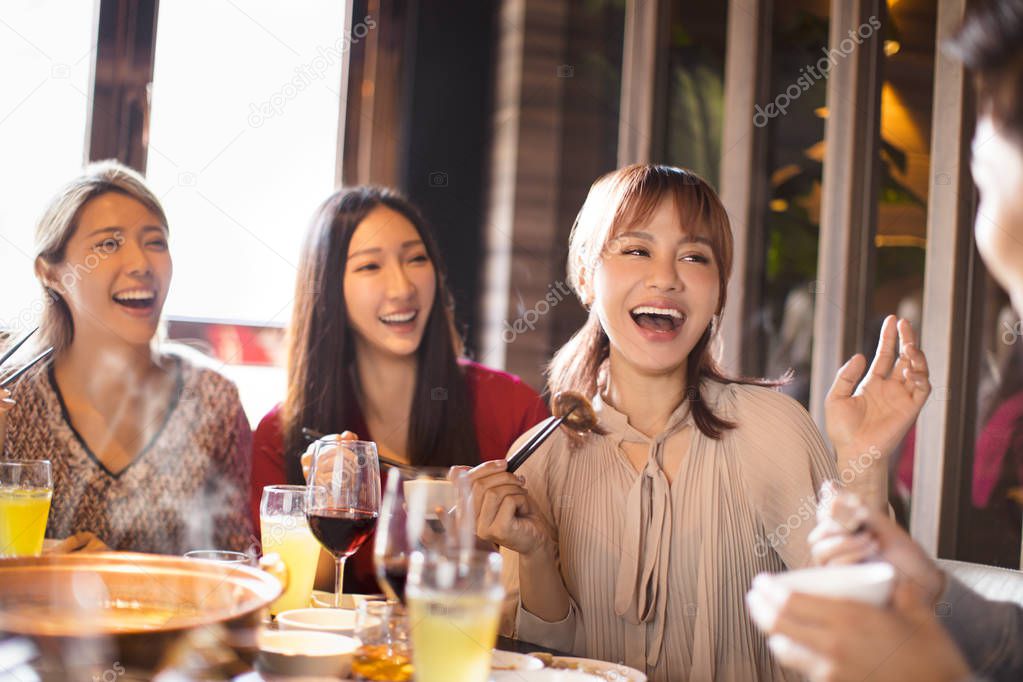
[(43, 113), (242, 147)]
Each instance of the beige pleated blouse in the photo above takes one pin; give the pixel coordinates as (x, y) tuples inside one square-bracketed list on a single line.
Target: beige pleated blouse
[(657, 572)]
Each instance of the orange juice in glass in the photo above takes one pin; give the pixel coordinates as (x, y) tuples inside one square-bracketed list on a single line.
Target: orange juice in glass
[(26, 489), (284, 530)]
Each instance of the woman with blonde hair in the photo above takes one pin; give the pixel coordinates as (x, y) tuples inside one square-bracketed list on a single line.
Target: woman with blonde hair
[(638, 544), (149, 450)]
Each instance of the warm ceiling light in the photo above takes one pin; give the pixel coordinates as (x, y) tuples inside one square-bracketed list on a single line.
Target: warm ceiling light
[(779, 205), (822, 112), (891, 47)]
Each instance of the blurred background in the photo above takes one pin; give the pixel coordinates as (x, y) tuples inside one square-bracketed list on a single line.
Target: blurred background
[(836, 132)]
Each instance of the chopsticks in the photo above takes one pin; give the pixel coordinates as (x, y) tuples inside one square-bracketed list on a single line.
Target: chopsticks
[(523, 453), (31, 363), (13, 349), (312, 434)]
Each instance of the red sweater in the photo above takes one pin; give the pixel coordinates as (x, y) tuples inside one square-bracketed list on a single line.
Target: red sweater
[(504, 407)]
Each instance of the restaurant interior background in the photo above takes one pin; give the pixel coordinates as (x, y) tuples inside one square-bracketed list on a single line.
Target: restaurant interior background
[(838, 146)]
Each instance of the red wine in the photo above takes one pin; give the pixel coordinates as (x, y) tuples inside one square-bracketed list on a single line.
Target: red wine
[(392, 578), (341, 531)]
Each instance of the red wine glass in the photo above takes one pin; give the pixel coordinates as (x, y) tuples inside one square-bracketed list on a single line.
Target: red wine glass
[(343, 498)]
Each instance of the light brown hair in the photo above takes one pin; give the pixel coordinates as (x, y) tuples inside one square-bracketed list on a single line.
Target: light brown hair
[(58, 224), (616, 201)]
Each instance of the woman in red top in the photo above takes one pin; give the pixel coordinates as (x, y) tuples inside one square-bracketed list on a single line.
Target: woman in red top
[(373, 349)]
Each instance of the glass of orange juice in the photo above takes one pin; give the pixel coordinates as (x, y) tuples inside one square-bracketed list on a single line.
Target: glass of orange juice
[(25, 492), (284, 530)]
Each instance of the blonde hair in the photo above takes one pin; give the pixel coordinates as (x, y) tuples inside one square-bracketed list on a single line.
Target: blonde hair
[(616, 201), (58, 224)]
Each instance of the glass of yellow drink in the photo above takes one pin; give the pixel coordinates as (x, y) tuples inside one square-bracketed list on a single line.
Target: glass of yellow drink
[(454, 608), (284, 530), (25, 492)]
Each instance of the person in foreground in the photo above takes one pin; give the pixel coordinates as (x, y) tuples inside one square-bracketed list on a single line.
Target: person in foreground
[(837, 640), (638, 544), (936, 630), (139, 439), (373, 351)]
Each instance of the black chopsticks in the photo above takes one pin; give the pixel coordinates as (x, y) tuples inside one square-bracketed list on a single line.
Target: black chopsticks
[(312, 434), (27, 366), (523, 453)]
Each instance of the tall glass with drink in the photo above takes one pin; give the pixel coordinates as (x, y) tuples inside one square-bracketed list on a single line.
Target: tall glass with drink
[(423, 509), (454, 606), (283, 530), (26, 489)]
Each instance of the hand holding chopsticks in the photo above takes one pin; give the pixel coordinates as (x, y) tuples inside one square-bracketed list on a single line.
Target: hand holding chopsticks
[(312, 435), (570, 409)]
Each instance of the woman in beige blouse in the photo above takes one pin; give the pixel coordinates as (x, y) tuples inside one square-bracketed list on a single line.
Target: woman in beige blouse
[(637, 545)]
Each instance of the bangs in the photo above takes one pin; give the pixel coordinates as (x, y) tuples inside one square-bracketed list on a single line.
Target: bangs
[(700, 213)]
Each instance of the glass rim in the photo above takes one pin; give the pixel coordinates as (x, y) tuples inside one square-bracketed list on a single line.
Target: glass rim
[(472, 556), (336, 438), (285, 488), (229, 555), (25, 462)]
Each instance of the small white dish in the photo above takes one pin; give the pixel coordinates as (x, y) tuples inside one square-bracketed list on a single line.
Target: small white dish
[(544, 675), (321, 599), (871, 583), (337, 621), (283, 652), (509, 660)]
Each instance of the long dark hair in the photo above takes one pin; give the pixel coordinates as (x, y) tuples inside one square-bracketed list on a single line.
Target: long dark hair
[(322, 384), (626, 197)]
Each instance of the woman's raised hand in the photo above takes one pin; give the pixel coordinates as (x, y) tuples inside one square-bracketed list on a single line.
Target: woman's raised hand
[(503, 512), (307, 456), (870, 417)]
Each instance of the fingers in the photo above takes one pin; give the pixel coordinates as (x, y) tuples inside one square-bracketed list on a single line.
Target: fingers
[(847, 377), (498, 528), (6, 402), (844, 549), (916, 373), (92, 543), (82, 541), (793, 655), (349, 435), (884, 359)]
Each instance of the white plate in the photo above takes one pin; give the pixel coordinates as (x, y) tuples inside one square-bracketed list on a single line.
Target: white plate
[(625, 673), (545, 675), (503, 661)]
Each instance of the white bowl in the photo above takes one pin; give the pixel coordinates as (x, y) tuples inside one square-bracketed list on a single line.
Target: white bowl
[(871, 583), (337, 621), (305, 653), (322, 599)]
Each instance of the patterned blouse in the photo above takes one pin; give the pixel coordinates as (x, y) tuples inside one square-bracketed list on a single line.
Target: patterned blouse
[(187, 489)]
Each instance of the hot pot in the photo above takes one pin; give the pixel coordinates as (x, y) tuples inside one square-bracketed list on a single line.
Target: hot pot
[(92, 611)]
